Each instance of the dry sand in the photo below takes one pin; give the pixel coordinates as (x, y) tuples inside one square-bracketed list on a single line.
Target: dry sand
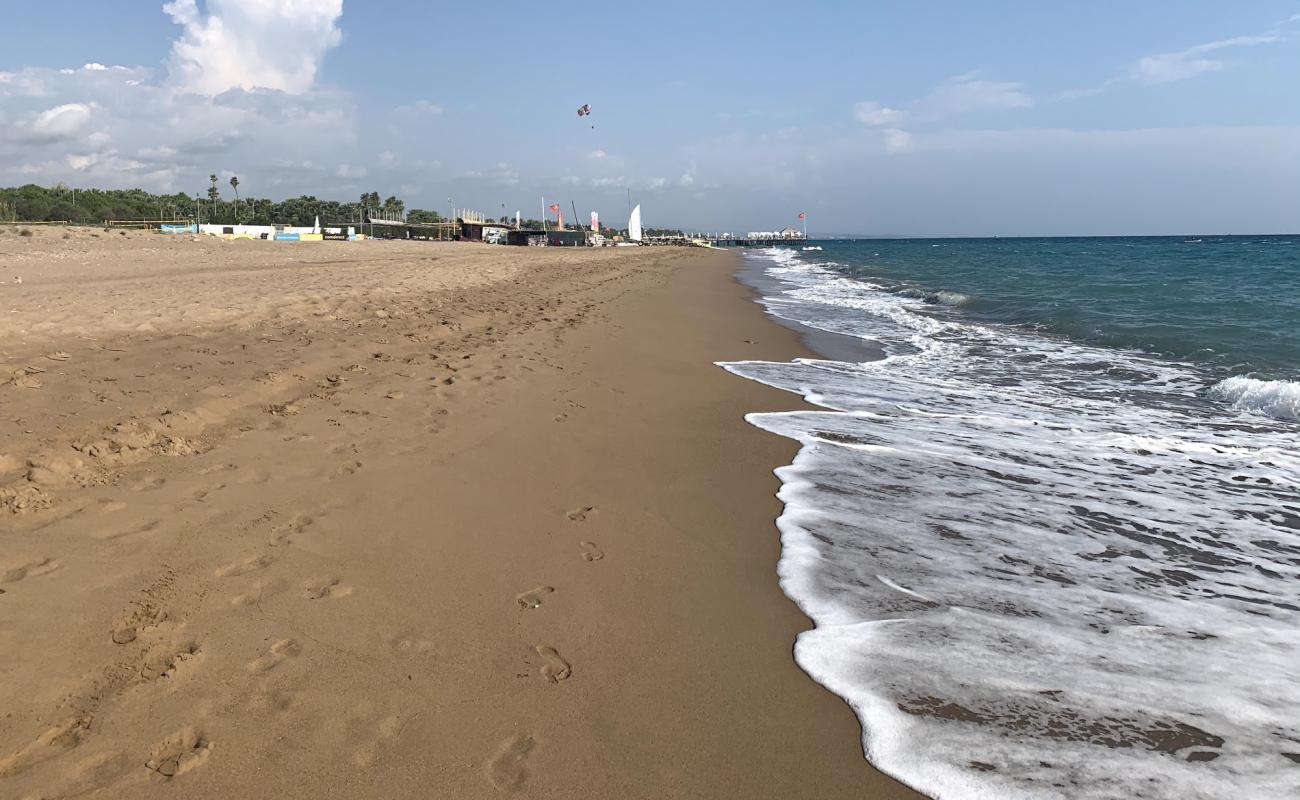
[(394, 520)]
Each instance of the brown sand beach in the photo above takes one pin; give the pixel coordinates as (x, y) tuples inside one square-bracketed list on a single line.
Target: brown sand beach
[(394, 520)]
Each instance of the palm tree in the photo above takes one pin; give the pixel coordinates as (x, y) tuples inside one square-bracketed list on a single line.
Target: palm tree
[(234, 184)]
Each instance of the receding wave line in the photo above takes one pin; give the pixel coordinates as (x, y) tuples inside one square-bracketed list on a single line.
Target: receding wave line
[(1038, 568)]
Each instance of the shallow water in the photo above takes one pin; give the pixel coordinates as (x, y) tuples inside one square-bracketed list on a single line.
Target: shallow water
[(1040, 564)]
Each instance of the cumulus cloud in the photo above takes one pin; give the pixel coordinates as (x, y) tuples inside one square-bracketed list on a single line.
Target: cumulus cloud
[(597, 154), (247, 44), (1184, 64), (60, 122), (140, 131), (238, 94), (874, 115)]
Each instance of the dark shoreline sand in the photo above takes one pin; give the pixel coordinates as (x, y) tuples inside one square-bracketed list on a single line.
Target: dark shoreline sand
[(457, 521)]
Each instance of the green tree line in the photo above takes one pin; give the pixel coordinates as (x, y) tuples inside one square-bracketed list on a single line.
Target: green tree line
[(32, 203)]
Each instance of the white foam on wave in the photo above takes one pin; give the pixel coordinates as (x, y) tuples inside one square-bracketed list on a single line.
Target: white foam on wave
[(1036, 569), (1278, 399)]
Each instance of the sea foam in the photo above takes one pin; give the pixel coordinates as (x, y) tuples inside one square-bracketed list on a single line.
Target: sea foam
[(1037, 569), (1280, 399)]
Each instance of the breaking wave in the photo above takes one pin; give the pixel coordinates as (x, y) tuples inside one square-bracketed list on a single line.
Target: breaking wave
[(1039, 569), (1280, 399)]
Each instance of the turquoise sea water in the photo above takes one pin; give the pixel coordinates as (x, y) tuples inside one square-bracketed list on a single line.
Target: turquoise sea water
[(1231, 304), (1051, 541)]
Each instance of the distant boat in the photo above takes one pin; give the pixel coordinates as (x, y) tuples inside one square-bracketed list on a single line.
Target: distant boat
[(634, 225), (1193, 241)]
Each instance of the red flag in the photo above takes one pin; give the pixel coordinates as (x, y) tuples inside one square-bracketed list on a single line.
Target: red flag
[(801, 215), (554, 206)]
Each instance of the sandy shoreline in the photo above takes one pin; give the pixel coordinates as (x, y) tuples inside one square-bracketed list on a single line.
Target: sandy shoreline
[(395, 520)]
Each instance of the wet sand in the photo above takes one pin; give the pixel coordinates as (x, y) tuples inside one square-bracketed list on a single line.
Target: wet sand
[(395, 520)]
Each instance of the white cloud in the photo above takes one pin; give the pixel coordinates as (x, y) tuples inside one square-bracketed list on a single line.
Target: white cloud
[(657, 183), (349, 172), (687, 179), (898, 141), (960, 94), (422, 108), (387, 158), (1184, 64), (500, 175), (968, 93), (162, 151), (873, 114), (597, 154), (60, 122), (175, 137), (247, 44)]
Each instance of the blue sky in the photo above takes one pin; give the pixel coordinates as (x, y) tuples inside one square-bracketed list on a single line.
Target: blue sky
[(918, 118)]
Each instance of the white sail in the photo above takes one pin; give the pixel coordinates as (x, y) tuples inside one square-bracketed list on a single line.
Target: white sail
[(634, 225)]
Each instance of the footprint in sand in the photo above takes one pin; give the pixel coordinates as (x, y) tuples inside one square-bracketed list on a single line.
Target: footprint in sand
[(280, 652), (554, 667), (179, 753), (533, 597), (326, 587), (202, 493), (250, 564), (34, 569), (132, 530), (147, 483), (509, 768), (344, 470), (53, 741), (262, 590), (170, 660), (388, 729), (580, 514), (284, 534), (132, 624), (590, 552), (410, 642)]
